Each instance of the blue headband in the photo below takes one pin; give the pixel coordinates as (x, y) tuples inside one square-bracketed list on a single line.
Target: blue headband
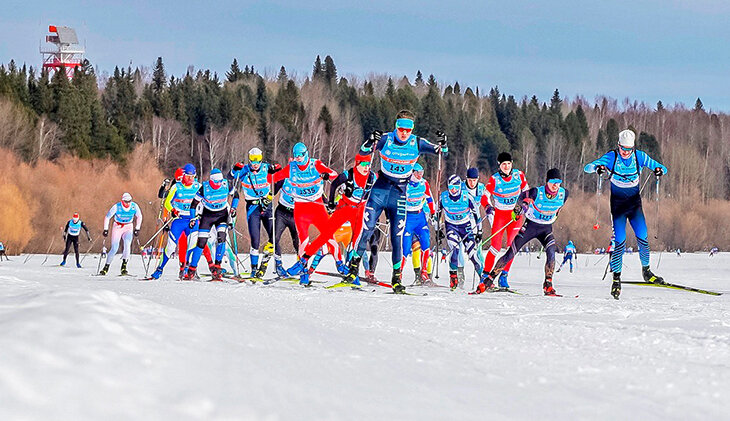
[(405, 123)]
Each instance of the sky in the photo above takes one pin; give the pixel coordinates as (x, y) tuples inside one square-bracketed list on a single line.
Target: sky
[(646, 50)]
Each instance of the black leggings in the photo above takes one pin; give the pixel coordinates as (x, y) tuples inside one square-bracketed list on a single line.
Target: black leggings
[(255, 217), (531, 230), (71, 239), (284, 221)]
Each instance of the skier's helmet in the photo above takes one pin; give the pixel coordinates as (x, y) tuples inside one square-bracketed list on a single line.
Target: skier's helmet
[(300, 153), (126, 199), (216, 178), (75, 217), (188, 175), (454, 185), (255, 156), (627, 139)]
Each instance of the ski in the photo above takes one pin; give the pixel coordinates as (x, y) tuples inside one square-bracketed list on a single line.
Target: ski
[(345, 285), (423, 294), (362, 279), (673, 286)]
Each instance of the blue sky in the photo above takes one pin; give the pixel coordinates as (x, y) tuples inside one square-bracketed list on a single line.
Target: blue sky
[(669, 50)]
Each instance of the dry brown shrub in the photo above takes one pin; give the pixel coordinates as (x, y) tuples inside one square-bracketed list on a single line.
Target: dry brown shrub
[(57, 189)]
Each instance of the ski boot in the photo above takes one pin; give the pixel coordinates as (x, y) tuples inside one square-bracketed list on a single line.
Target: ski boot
[(419, 280), (104, 270), (216, 272), (370, 277), (426, 279), (299, 268), (124, 268), (342, 268), (398, 288), (280, 271), (264, 263), (650, 277), (304, 279), (503, 280), (354, 269), (157, 273), (78, 265), (453, 279), (63, 263), (616, 286), (181, 274), (486, 283), (190, 274), (547, 288)]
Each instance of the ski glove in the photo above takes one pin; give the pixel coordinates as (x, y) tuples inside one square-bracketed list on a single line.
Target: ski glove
[(372, 140), (174, 212), (325, 176), (136, 233), (442, 140), (238, 166), (105, 233), (658, 171), (166, 182), (517, 211), (601, 169), (266, 202), (274, 168), (192, 223), (233, 212), (331, 205)]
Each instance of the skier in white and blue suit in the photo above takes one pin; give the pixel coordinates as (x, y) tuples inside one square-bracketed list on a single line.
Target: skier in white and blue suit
[(624, 166)]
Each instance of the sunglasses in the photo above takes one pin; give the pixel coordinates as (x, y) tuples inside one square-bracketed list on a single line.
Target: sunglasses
[(364, 164), (404, 130), (625, 149)]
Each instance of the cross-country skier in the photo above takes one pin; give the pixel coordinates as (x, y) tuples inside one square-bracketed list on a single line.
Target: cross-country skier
[(215, 213), (462, 226), (284, 216), (541, 206), (124, 213), (2, 252), (177, 203), (478, 192), (357, 183), (418, 199), (505, 187), (714, 251), (257, 193), (568, 254), (307, 176), (398, 150), (624, 166), (71, 234)]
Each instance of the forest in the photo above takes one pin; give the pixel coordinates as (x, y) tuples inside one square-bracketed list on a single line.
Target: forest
[(96, 135)]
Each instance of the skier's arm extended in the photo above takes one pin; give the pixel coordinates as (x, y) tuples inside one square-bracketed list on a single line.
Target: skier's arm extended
[(606, 160), (646, 161)]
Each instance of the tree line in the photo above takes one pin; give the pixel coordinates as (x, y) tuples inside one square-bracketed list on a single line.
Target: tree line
[(213, 120)]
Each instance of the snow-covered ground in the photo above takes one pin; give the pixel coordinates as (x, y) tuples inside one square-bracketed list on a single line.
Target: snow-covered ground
[(77, 347)]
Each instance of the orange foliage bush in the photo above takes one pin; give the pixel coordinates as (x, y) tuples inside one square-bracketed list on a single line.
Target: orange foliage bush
[(37, 200)]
